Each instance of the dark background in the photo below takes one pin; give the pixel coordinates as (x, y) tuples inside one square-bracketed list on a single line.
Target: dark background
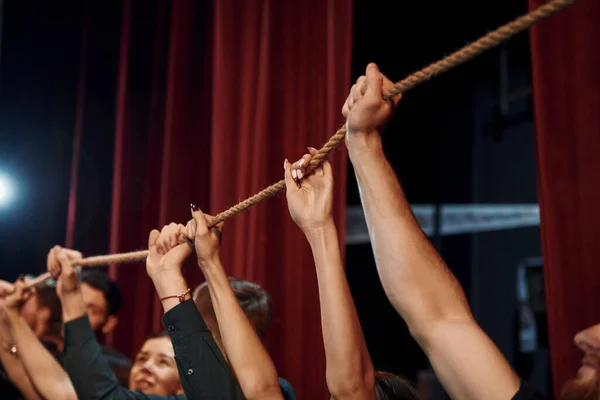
[(449, 143)]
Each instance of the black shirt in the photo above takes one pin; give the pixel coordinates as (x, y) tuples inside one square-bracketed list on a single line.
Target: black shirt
[(119, 363), (526, 392), (203, 371)]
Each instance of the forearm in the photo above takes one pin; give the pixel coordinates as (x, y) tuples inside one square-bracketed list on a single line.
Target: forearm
[(73, 306), (12, 364), (47, 375), (169, 282), (87, 368), (350, 371), (415, 278), (249, 359)]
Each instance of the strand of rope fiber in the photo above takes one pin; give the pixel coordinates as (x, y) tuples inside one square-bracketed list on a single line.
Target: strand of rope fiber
[(468, 52)]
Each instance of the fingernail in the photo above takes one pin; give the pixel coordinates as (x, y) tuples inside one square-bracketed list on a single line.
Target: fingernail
[(301, 163), (299, 174), (294, 174), (312, 149), (284, 164), (194, 207)]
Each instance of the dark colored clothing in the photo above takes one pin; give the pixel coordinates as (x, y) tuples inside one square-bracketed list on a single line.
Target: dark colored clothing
[(119, 363), (526, 392), (287, 390), (7, 389), (203, 371)]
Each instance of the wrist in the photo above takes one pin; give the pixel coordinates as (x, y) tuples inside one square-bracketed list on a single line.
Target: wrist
[(210, 264), (317, 235), (73, 306), (170, 287), (360, 142)]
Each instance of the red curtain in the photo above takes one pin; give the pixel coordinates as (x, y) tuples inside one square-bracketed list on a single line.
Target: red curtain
[(207, 113), (566, 83), (281, 74)]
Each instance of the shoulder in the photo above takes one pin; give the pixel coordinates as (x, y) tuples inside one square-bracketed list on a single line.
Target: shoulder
[(115, 356), (527, 392)]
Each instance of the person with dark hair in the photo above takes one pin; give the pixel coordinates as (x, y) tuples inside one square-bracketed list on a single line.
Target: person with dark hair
[(390, 386), (349, 369), (256, 304), (187, 353), (250, 361), (416, 280), (103, 300), (40, 313)]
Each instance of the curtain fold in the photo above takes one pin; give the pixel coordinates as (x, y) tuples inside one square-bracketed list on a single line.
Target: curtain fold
[(281, 75), (566, 83), (211, 97)]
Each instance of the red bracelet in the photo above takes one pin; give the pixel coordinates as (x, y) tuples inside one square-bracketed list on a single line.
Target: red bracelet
[(181, 296)]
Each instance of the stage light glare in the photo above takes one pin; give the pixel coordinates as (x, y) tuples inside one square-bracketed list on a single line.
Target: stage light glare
[(6, 190)]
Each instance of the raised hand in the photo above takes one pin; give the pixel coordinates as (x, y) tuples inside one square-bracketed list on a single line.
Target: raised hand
[(165, 251), (6, 288), (310, 204), (207, 241), (60, 265), (366, 111)]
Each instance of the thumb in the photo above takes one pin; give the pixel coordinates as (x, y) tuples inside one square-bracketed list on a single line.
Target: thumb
[(152, 238), (200, 220), (19, 287), (289, 181), (374, 82)]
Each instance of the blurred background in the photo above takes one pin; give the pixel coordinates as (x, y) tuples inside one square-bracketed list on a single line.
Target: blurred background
[(112, 111)]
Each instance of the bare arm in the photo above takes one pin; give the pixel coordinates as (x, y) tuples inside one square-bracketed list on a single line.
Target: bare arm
[(48, 376), (12, 364), (416, 280), (350, 372), (249, 359)]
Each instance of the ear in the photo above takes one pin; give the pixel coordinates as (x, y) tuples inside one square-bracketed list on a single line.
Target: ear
[(110, 324)]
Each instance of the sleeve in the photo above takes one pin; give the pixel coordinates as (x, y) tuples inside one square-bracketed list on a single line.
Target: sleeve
[(203, 371), (526, 392), (89, 371)]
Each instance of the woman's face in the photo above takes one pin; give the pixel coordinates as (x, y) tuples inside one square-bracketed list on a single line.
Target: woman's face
[(154, 370)]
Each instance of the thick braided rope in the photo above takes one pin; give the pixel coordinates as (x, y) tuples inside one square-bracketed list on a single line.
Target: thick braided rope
[(468, 52)]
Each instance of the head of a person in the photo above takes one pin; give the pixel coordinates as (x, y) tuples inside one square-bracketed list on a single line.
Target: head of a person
[(102, 298), (42, 311), (585, 385), (253, 299), (393, 387), (154, 369)]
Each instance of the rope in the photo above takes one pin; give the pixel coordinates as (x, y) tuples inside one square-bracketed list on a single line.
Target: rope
[(468, 52)]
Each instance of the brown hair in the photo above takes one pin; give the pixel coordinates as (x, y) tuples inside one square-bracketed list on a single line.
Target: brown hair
[(253, 299), (47, 297), (393, 387)]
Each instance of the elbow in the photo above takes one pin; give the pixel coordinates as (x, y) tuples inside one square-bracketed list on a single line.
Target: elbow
[(65, 391), (261, 387), (359, 384), (429, 330), (263, 390)]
